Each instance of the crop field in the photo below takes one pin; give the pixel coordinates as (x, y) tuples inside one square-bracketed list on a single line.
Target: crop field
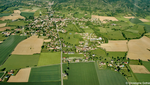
[(147, 65), (28, 46), (143, 77), (20, 61), (21, 76), (1, 74), (4, 28), (103, 30), (139, 69), (131, 35), (27, 14), (49, 58), (138, 49), (45, 74), (73, 55), (81, 74), (17, 23), (3, 25), (120, 45), (2, 37), (116, 54), (32, 83), (5, 14), (144, 20), (8, 46), (116, 35)]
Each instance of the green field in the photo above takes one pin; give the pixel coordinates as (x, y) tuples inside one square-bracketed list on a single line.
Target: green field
[(73, 55), (49, 58), (8, 46), (32, 83), (116, 54), (131, 35), (116, 35), (45, 74), (5, 14), (103, 30), (17, 23), (147, 65), (134, 62), (2, 37), (1, 74), (81, 74), (109, 77), (20, 61), (143, 77), (99, 52), (27, 14)]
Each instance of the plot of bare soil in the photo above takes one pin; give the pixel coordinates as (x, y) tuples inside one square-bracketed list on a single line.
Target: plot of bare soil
[(3, 25), (103, 18), (119, 45), (28, 10), (144, 20), (47, 40), (4, 28), (29, 46), (14, 16), (139, 69), (139, 49), (129, 17), (21, 76)]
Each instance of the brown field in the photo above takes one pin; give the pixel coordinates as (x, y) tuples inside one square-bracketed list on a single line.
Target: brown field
[(139, 49), (119, 45), (47, 40), (139, 69), (21, 76), (144, 20), (29, 46), (28, 10), (129, 17), (3, 25), (4, 28), (14, 16), (103, 18)]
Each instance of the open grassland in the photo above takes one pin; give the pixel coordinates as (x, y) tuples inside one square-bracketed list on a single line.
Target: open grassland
[(147, 65), (21, 76), (17, 23), (120, 45), (49, 58), (8, 46), (45, 74), (134, 62), (28, 46), (88, 30), (103, 30), (81, 74), (139, 29), (139, 49), (109, 77), (143, 77), (20, 61)]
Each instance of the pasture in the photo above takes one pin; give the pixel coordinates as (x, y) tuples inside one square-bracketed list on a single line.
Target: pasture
[(2, 37), (49, 58), (138, 49), (143, 77), (116, 54), (116, 35), (8, 46), (27, 14), (81, 74), (20, 61), (17, 23), (45, 74), (131, 35), (5, 14), (147, 65), (28, 46)]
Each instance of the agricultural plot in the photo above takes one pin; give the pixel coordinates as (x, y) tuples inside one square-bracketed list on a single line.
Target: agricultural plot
[(143, 77), (8, 46), (2, 37), (147, 65), (27, 14), (103, 30), (135, 20), (139, 49), (21, 76), (73, 55), (4, 28), (116, 35), (144, 20), (81, 74), (5, 14), (45, 74), (3, 25), (32, 83), (49, 58), (20, 61), (1, 74), (99, 52), (28, 46), (17, 23), (139, 69), (146, 27), (137, 29), (120, 45), (116, 54), (131, 35)]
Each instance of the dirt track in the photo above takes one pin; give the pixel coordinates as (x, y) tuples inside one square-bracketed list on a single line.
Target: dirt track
[(139, 69), (21, 76)]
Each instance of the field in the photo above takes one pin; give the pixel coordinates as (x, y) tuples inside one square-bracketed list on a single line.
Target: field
[(8, 46), (147, 65), (45, 74), (1, 74), (130, 35), (99, 52), (73, 55), (129, 17), (2, 37), (5, 14), (139, 49), (17, 23), (20, 61), (120, 45), (103, 18), (21, 76), (3, 25), (81, 74), (4, 28), (116, 35), (31, 83), (103, 30), (28, 46), (49, 59), (109, 77), (143, 77), (139, 69), (27, 14), (116, 54), (144, 20)]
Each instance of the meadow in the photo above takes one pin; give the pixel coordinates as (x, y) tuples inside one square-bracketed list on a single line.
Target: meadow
[(20, 61), (143, 77), (2, 37), (81, 74), (27, 14), (45, 74), (5, 14), (8, 46), (147, 65), (17, 23), (31, 83), (49, 58)]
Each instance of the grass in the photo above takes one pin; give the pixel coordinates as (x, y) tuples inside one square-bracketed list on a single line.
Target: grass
[(5, 14), (109, 77), (88, 30), (116, 35), (2, 37), (31, 83), (99, 52), (17, 23), (45, 74), (131, 35), (134, 62), (146, 27), (81, 74), (116, 54), (147, 65), (8, 46), (73, 55), (27, 14), (20, 61), (49, 58), (135, 20), (143, 77), (103, 30), (1, 74)]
